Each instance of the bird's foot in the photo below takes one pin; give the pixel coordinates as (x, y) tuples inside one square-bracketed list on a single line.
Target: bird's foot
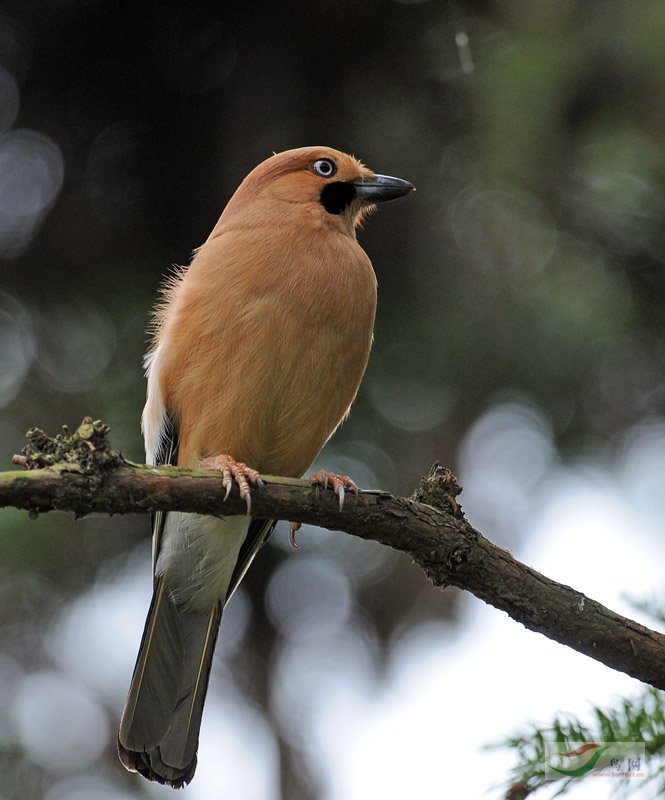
[(233, 470), (339, 483)]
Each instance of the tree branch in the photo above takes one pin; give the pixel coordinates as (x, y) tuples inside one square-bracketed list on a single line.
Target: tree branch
[(81, 474)]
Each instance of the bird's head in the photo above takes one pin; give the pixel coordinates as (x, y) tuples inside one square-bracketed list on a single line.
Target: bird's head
[(322, 184)]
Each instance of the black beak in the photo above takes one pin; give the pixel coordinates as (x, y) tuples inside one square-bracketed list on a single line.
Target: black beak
[(381, 188)]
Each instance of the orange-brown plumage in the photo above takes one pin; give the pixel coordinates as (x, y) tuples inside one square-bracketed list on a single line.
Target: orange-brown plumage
[(266, 335), (260, 346)]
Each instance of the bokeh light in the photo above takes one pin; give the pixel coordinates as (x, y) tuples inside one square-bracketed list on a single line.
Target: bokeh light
[(85, 788), (308, 678), (59, 723), (308, 597), (238, 755), (93, 637), (504, 458), (32, 170), (76, 343), (17, 346), (502, 229), (16, 47), (642, 464)]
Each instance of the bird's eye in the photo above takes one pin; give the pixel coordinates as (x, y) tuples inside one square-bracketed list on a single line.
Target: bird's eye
[(325, 167)]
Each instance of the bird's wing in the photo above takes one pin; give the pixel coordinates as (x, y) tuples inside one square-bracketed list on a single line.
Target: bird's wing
[(166, 454), (257, 535)]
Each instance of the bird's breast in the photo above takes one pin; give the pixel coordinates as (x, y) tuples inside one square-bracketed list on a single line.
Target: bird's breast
[(267, 346)]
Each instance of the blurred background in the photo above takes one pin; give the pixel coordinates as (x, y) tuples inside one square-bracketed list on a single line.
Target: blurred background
[(519, 340)]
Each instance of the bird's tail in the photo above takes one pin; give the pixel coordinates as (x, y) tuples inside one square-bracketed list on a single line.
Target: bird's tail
[(159, 730)]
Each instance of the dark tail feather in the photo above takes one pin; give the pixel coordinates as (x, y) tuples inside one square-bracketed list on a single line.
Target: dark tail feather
[(159, 730)]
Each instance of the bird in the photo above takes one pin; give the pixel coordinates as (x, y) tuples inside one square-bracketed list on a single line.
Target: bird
[(258, 350)]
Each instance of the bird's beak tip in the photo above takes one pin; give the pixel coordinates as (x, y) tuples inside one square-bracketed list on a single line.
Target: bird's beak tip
[(381, 188)]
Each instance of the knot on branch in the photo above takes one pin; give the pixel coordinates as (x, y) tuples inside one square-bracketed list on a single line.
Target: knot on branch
[(88, 447), (439, 489)]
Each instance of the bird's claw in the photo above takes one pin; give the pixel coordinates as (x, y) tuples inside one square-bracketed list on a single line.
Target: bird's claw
[(234, 471), (339, 483), (294, 527)]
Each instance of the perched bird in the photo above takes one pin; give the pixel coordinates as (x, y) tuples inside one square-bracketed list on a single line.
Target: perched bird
[(259, 348)]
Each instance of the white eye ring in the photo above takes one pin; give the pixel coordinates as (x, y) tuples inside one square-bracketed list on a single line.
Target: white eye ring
[(324, 167)]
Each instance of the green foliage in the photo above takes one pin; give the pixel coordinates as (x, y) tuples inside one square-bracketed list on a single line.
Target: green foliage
[(641, 719)]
